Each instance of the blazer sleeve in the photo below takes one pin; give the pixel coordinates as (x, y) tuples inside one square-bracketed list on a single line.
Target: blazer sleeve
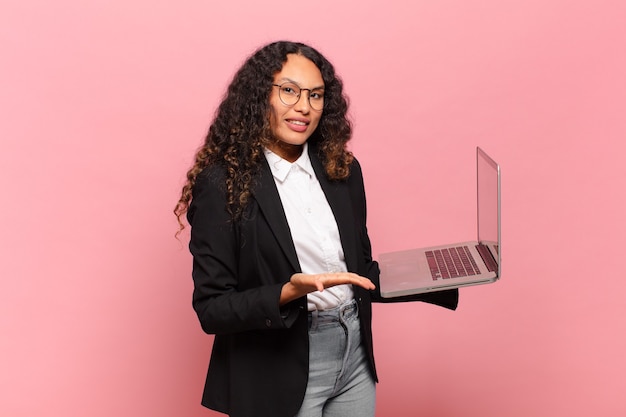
[(220, 302), (446, 298)]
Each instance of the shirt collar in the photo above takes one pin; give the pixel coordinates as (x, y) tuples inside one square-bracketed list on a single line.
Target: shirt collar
[(281, 168)]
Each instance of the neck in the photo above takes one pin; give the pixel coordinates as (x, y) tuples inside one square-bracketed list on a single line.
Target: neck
[(286, 151)]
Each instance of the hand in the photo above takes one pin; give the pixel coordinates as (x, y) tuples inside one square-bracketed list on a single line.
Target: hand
[(318, 282), (302, 284)]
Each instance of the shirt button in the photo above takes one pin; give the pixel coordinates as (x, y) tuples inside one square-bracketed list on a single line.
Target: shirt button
[(268, 322)]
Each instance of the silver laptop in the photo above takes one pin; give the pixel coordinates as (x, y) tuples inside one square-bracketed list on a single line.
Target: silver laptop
[(456, 265)]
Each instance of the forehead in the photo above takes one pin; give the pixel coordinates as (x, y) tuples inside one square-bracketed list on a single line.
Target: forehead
[(300, 70)]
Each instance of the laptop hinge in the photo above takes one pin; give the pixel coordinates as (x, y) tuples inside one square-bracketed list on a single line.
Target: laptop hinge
[(488, 259)]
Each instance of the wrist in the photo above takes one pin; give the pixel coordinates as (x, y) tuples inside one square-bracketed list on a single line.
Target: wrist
[(287, 294), (291, 292)]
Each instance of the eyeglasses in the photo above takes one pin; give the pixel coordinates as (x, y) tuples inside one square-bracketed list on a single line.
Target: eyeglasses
[(289, 93)]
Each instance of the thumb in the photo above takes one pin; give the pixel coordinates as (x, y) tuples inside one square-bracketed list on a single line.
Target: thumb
[(319, 285)]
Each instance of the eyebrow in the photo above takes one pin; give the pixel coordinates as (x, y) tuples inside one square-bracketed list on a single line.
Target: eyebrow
[(284, 79)]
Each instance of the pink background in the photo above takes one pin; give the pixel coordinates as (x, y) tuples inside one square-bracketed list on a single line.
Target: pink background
[(103, 103)]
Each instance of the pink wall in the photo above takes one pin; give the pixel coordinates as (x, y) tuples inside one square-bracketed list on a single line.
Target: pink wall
[(103, 103)]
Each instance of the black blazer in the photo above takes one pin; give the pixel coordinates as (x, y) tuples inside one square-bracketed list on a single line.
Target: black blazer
[(259, 364)]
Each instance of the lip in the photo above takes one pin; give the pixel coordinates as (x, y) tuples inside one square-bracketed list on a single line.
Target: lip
[(297, 124)]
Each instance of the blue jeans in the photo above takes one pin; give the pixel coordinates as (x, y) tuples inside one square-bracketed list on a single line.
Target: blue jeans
[(340, 381)]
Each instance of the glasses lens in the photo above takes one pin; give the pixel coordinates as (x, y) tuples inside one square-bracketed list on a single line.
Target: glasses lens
[(316, 99), (289, 93)]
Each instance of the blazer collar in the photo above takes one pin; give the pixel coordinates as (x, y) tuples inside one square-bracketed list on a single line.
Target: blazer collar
[(266, 195)]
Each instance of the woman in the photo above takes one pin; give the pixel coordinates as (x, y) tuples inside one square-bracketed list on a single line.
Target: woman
[(282, 266)]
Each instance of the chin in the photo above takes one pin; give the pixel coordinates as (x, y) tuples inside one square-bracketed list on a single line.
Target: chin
[(295, 141)]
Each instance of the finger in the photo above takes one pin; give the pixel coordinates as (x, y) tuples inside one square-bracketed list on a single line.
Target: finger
[(354, 279), (365, 283), (319, 285)]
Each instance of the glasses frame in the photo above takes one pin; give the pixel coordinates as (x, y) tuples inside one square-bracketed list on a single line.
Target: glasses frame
[(299, 95)]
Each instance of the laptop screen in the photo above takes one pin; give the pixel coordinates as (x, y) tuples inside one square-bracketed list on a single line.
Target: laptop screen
[(488, 174)]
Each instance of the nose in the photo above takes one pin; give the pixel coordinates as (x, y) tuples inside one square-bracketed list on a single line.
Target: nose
[(303, 105)]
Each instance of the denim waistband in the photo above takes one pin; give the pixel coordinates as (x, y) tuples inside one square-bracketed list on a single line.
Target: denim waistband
[(334, 315)]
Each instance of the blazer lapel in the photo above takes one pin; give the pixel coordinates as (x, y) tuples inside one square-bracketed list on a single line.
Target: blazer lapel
[(338, 196), (266, 195)]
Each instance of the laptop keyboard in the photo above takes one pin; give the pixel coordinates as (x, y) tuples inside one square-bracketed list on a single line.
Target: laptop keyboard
[(451, 263)]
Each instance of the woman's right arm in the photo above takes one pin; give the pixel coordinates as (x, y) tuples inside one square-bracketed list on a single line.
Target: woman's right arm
[(219, 302)]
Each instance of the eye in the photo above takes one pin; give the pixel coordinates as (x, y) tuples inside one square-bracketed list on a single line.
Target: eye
[(317, 95), (290, 90)]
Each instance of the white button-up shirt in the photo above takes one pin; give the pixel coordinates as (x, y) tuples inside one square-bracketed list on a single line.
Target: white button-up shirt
[(313, 227)]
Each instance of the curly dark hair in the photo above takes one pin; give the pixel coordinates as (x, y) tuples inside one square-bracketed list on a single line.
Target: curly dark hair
[(241, 128)]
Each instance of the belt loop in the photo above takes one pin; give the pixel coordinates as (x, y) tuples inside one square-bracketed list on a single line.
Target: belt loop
[(313, 319), (351, 307)]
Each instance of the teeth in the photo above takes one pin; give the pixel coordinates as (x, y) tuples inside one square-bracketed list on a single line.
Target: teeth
[(297, 122)]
